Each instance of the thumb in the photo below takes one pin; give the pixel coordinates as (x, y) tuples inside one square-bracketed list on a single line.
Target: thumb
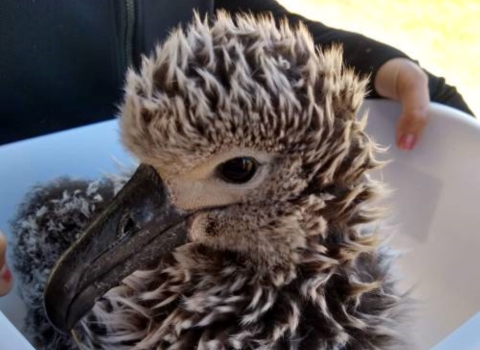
[(402, 80), (414, 96), (5, 274)]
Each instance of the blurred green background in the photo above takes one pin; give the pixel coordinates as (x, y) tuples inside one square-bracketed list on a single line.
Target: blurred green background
[(443, 35)]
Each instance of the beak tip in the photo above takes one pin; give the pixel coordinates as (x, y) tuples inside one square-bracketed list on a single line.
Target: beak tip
[(55, 316), (57, 300)]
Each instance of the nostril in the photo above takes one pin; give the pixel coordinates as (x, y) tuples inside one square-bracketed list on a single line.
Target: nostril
[(127, 226)]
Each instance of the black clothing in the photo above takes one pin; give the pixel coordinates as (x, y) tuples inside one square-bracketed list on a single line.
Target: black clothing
[(62, 63)]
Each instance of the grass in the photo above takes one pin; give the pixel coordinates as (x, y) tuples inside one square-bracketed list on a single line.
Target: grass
[(443, 35)]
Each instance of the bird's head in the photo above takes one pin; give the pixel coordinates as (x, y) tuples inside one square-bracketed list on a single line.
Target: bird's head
[(249, 144)]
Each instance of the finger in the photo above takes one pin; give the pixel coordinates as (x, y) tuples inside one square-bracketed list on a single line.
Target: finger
[(5, 274), (412, 122), (3, 248), (414, 96)]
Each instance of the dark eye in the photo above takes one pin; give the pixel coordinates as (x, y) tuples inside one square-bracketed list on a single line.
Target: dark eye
[(238, 170)]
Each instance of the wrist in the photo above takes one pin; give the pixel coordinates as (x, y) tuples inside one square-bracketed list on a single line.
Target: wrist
[(397, 76)]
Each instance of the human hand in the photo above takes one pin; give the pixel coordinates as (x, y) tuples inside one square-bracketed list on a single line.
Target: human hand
[(402, 80), (5, 274)]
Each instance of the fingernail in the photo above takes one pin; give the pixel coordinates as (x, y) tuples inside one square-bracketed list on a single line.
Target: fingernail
[(407, 142), (7, 275)]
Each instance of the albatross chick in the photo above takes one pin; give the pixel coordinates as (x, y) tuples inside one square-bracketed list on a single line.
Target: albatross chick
[(248, 224)]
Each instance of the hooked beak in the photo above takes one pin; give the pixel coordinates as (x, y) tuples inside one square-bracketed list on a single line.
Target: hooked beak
[(134, 231)]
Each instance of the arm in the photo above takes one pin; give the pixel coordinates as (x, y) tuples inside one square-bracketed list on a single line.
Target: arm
[(446, 94)]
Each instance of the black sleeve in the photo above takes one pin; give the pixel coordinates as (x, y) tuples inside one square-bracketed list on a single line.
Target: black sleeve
[(363, 54), (446, 94)]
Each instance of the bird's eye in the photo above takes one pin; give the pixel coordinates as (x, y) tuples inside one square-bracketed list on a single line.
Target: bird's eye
[(237, 170)]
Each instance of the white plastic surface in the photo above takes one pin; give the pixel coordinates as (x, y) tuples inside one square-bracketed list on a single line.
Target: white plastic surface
[(436, 206), (10, 337), (467, 337), (436, 216)]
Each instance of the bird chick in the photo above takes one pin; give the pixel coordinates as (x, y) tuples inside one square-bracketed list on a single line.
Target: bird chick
[(250, 145)]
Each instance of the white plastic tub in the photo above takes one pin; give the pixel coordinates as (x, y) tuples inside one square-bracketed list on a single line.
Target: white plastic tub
[(436, 209)]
